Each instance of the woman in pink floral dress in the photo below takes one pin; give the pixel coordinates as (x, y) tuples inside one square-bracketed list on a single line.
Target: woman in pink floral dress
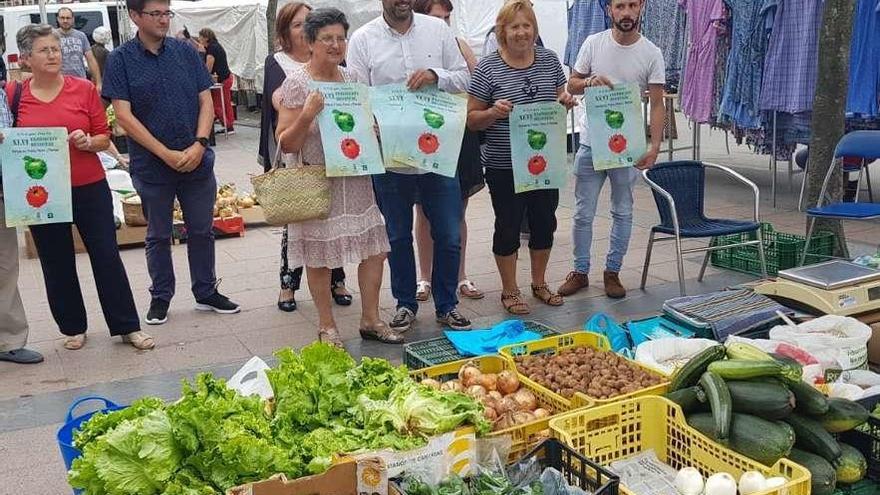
[(354, 231)]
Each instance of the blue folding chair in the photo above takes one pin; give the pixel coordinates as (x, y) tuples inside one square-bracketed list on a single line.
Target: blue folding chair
[(859, 144), (679, 191)]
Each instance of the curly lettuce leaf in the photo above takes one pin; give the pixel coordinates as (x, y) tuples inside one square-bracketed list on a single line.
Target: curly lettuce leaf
[(376, 378), (101, 422)]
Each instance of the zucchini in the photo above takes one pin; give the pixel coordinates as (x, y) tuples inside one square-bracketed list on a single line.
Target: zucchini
[(689, 374), (690, 399), (808, 400), (811, 436), (851, 466), (824, 478), (843, 415), (742, 369), (719, 401), (740, 350), (759, 439), (766, 400)]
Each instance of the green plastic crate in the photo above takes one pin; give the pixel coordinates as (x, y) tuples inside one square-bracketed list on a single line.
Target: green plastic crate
[(425, 353), (783, 251)]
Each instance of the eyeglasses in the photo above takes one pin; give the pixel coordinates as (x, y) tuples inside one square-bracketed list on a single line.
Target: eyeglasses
[(49, 50), (157, 14), (331, 40)]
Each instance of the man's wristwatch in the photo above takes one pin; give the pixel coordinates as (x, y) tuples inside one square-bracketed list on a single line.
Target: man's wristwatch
[(203, 141)]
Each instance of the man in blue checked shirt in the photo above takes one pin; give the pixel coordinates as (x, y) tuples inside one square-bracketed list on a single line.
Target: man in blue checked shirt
[(160, 91), (13, 322)]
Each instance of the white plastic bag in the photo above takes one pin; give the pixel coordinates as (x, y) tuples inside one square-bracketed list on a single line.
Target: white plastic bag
[(251, 379), (671, 353), (120, 181), (836, 341), (845, 391)]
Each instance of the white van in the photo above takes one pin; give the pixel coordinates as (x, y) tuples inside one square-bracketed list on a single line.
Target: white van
[(87, 16)]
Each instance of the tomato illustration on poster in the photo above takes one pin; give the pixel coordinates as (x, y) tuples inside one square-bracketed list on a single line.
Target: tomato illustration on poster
[(346, 124), (36, 176), (616, 125), (431, 129), (537, 146)]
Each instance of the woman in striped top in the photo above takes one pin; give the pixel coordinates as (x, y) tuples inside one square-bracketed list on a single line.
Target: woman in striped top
[(518, 73)]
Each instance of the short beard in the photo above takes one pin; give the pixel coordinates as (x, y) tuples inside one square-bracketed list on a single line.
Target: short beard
[(392, 14), (635, 26)]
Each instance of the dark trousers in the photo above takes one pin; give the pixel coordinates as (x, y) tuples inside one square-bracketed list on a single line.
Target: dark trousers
[(538, 208), (440, 198), (196, 197), (290, 279), (93, 217)]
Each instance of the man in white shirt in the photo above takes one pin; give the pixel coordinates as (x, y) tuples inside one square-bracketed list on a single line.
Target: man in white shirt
[(403, 47), (615, 56)]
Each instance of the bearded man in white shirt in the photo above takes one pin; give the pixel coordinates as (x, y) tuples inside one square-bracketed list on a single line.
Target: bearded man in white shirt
[(404, 47)]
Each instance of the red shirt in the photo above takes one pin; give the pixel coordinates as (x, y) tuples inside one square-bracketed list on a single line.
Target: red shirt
[(77, 106)]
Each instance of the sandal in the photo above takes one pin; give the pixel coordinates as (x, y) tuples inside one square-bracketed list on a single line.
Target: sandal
[(342, 298), (139, 340), (546, 296), (467, 289), (514, 304), (75, 342), (330, 336), (382, 333), (423, 290)]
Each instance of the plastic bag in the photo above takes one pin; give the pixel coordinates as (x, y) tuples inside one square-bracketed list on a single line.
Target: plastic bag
[(605, 325), (554, 483), (836, 341), (251, 379), (669, 354), (845, 391)]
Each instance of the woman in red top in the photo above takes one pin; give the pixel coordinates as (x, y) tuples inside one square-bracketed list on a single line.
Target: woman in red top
[(50, 99)]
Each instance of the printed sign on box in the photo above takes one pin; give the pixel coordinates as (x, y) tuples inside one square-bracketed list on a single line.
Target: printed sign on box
[(616, 125), (537, 146), (346, 123), (36, 176)]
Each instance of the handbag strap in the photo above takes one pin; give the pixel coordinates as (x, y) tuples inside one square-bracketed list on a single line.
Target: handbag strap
[(276, 162)]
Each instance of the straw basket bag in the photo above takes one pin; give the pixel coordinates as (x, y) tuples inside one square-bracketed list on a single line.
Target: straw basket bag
[(292, 194)]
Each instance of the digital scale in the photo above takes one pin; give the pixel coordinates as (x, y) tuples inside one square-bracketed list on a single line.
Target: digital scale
[(834, 287)]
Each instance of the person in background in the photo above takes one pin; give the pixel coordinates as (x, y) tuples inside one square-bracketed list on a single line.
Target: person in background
[(470, 177), (218, 67), (418, 50), (294, 52), (353, 231), (519, 72), (2, 68), (76, 46), (102, 37), (162, 96), (614, 56), (13, 320), (183, 35), (50, 99)]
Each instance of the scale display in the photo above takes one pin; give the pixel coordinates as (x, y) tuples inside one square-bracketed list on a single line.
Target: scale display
[(835, 287)]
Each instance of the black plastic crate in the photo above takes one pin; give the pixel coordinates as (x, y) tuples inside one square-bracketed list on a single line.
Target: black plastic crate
[(577, 469), (439, 350), (866, 438)]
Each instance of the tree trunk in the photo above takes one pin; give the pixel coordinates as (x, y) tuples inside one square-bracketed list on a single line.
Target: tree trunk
[(271, 12), (829, 106)]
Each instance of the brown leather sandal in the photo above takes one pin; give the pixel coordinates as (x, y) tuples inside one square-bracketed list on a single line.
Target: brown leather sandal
[(514, 303), (546, 296), (139, 340), (330, 336)]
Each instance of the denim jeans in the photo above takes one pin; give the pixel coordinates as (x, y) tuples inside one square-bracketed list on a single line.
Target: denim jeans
[(440, 198), (588, 185)]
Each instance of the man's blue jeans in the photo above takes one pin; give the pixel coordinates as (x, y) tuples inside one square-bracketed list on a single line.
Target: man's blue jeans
[(440, 198), (586, 192)]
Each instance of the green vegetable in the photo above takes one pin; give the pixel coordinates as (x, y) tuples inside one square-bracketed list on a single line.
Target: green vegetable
[(36, 168), (808, 400), (614, 119), (763, 399), (719, 401), (824, 478), (762, 440), (843, 415), (537, 139), (810, 436), (433, 119), (689, 399), (101, 423), (741, 369), (689, 374), (344, 120), (851, 466)]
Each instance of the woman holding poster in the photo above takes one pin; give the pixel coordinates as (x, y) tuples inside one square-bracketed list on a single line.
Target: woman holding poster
[(50, 99), (519, 73), (353, 232)]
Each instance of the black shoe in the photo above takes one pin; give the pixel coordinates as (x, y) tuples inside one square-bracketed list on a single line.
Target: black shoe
[(454, 320), (217, 303), (158, 313), (288, 306), (340, 299), (402, 320)]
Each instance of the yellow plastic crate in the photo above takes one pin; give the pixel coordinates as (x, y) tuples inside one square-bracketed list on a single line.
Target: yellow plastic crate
[(621, 430), (557, 343), (525, 436)]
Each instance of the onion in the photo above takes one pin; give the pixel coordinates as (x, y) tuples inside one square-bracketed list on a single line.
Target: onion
[(507, 404), (504, 422), (476, 391), (469, 375), (523, 417), (488, 401), (489, 381), (490, 414), (452, 386), (526, 400), (541, 413), (495, 395), (508, 383), (432, 383)]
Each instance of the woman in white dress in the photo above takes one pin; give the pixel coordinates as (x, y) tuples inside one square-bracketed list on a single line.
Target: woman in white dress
[(354, 231)]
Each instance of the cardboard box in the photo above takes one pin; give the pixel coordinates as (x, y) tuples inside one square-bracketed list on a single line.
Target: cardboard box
[(340, 479)]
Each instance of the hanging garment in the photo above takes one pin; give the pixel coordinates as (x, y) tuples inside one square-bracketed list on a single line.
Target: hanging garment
[(703, 17), (585, 17), (663, 22), (792, 60), (722, 51), (864, 61), (745, 65)]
